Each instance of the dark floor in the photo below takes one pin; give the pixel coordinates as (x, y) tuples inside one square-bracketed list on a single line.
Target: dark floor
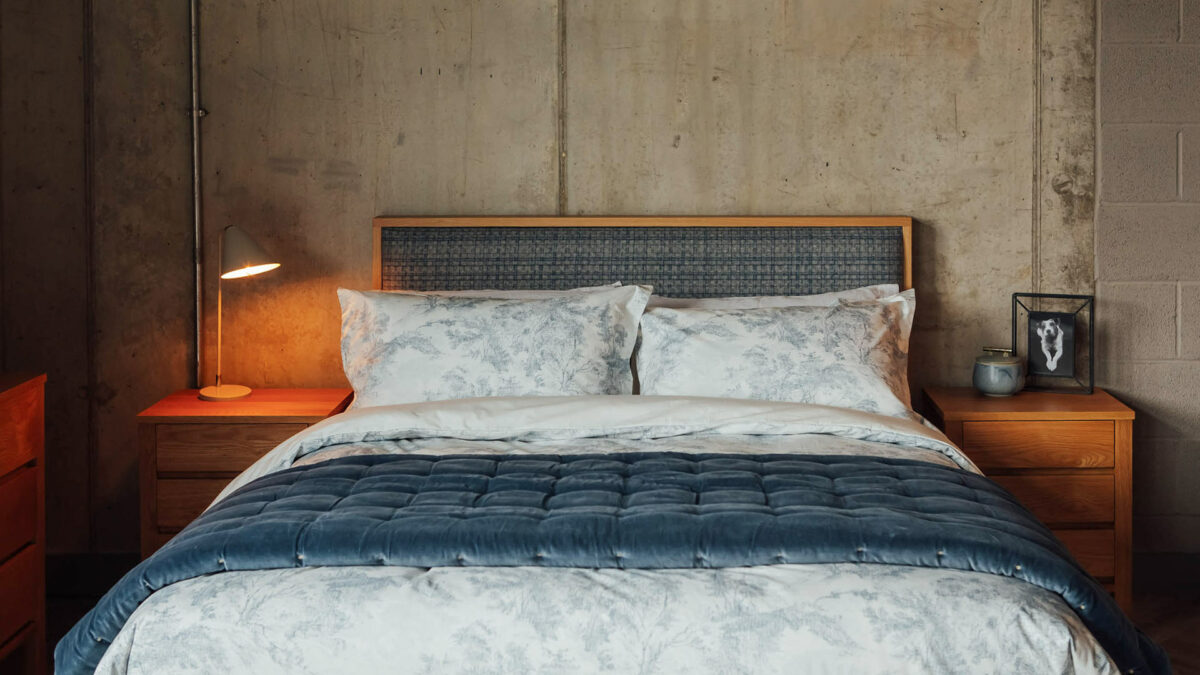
[(1173, 622), (1166, 607)]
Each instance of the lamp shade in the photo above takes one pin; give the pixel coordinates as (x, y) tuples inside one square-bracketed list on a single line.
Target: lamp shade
[(241, 256)]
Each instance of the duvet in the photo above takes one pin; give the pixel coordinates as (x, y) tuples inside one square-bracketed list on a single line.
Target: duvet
[(623, 534)]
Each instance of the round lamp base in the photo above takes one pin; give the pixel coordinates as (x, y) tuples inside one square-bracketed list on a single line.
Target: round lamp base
[(224, 392)]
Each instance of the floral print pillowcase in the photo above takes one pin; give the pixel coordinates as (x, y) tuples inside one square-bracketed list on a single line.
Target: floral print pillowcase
[(849, 355), (413, 347)]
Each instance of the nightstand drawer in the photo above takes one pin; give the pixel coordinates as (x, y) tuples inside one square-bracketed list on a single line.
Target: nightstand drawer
[(1064, 499), (18, 592), (1024, 445), (1094, 549), (223, 448), (181, 500), (18, 511)]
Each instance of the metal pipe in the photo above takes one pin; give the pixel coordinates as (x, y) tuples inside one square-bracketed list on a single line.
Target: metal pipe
[(197, 224)]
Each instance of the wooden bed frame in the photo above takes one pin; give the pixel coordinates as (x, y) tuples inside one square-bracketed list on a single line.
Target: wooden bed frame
[(902, 222)]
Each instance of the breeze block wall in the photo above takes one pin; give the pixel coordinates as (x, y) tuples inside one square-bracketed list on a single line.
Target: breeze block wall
[(1148, 254)]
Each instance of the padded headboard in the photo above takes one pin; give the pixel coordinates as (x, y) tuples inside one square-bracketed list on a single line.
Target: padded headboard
[(679, 256)]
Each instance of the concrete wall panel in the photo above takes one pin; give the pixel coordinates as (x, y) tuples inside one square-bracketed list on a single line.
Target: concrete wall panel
[(142, 243), (43, 230), (1140, 163), (1147, 242), (1189, 24), (916, 108), (1189, 163), (1189, 320), (1066, 138), (324, 115), (1139, 320), (1140, 20), (1150, 83)]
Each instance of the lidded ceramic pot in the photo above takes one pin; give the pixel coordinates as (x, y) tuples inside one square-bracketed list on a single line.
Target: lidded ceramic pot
[(999, 372)]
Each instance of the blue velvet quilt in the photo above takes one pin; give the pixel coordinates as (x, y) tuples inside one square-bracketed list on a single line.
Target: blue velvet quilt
[(646, 510)]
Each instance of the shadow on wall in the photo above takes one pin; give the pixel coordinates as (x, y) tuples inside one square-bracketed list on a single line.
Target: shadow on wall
[(922, 351)]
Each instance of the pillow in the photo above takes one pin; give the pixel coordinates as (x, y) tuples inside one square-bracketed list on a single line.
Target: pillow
[(750, 302), (851, 355), (411, 347)]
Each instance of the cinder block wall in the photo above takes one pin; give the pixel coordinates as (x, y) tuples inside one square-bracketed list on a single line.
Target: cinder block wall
[(1148, 254)]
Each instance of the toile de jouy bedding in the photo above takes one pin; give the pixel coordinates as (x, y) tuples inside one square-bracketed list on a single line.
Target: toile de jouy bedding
[(613, 534)]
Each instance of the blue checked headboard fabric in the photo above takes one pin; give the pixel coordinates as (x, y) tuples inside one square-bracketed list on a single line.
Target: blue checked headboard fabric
[(678, 261)]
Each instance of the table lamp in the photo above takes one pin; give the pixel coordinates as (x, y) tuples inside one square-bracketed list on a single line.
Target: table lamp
[(240, 257)]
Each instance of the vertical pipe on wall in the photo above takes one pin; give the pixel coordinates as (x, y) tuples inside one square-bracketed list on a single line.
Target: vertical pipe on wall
[(197, 230)]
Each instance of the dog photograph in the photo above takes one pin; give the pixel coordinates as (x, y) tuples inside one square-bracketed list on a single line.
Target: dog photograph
[(1052, 344)]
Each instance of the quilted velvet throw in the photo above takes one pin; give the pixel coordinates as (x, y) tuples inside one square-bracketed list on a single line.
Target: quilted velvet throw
[(632, 510)]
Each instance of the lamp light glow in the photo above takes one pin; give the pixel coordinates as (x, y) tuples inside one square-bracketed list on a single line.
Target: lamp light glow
[(241, 257), (249, 271)]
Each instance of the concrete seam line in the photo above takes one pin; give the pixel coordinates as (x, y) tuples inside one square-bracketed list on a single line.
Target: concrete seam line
[(1179, 165), (1036, 207), (89, 201), (561, 131)]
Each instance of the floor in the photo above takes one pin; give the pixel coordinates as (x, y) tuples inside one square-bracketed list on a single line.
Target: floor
[(1173, 622), (1166, 606)]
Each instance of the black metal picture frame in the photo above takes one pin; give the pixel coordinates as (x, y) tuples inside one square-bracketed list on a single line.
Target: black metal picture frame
[(1055, 334)]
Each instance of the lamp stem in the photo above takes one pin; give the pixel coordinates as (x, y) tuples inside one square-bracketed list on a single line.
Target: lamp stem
[(220, 286)]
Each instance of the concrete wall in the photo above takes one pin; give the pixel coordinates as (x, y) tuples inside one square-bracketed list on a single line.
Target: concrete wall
[(141, 242), (976, 119), (1148, 254), (44, 252), (326, 114)]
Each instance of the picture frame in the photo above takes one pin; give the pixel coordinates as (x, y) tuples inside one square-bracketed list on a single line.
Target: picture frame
[(1055, 334)]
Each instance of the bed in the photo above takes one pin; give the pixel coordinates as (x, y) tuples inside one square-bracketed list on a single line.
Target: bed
[(499, 499)]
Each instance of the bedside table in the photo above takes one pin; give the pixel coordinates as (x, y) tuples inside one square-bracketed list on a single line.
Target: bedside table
[(22, 523), (191, 449), (1066, 457)]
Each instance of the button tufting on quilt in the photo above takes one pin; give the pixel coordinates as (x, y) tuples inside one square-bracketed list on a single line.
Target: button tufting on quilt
[(635, 510)]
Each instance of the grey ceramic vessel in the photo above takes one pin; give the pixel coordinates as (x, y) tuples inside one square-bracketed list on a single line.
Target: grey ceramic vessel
[(999, 375)]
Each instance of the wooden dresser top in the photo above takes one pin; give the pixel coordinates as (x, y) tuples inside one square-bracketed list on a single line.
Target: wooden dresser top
[(262, 405), (10, 381), (964, 403)]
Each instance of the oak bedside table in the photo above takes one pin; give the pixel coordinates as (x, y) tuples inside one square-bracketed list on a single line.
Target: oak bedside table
[(22, 523), (190, 449), (1066, 457)]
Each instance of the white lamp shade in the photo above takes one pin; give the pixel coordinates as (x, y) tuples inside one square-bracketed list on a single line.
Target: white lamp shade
[(241, 256)]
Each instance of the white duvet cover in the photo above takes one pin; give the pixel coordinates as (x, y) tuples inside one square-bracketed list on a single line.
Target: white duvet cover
[(843, 618)]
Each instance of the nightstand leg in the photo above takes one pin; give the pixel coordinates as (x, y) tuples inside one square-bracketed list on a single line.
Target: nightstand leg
[(1124, 517)]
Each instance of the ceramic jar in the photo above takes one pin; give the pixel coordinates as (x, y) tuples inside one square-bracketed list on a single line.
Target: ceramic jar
[(999, 372)]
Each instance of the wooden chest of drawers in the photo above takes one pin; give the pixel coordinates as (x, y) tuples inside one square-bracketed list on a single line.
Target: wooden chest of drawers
[(22, 524), (191, 449), (1066, 457)]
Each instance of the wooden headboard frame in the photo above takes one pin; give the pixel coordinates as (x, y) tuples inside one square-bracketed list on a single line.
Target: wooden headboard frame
[(902, 222)]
